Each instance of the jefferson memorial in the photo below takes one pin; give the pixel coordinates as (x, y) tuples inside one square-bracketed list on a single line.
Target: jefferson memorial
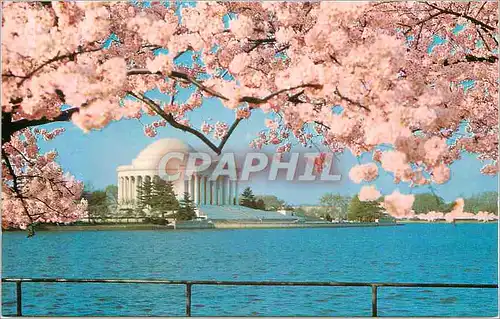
[(216, 200), (147, 167)]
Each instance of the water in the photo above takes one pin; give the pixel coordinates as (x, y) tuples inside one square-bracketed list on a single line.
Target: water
[(465, 253)]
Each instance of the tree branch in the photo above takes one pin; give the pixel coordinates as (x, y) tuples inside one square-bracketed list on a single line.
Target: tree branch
[(9, 127), (15, 184), (58, 57), (171, 120), (473, 58), (465, 16), (201, 86), (350, 101)]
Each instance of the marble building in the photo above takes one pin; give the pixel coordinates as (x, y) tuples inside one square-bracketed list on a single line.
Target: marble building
[(222, 191)]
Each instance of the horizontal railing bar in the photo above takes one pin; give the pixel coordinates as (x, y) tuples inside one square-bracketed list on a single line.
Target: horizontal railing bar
[(253, 283)]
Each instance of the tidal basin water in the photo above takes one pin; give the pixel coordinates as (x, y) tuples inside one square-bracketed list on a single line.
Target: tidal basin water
[(465, 253)]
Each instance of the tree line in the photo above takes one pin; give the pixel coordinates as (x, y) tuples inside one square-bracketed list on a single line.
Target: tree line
[(339, 207), (156, 201)]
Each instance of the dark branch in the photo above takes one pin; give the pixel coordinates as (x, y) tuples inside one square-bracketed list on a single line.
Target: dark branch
[(15, 183), (473, 58), (70, 56), (201, 86), (9, 127), (171, 120), (350, 101), (465, 16)]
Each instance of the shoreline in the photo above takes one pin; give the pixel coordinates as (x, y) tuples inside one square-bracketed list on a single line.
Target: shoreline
[(229, 225), (215, 226)]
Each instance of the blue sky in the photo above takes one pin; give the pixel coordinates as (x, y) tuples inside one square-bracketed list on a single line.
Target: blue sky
[(93, 157)]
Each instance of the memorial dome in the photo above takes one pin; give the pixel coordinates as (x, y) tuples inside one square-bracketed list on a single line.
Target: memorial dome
[(149, 157)]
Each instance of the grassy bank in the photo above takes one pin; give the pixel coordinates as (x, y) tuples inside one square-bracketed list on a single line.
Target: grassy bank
[(232, 225), (217, 224)]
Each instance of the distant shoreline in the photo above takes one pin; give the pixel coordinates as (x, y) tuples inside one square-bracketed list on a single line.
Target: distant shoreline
[(217, 225), (232, 225)]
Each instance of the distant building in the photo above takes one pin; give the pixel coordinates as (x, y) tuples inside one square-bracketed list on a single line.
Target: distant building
[(286, 211), (216, 201), (145, 167)]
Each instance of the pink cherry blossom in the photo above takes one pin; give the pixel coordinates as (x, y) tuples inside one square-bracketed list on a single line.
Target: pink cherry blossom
[(440, 174), (399, 205), (365, 172), (369, 193)]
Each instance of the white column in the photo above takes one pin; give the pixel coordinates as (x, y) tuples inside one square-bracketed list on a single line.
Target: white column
[(133, 188), (221, 191), (202, 190), (125, 188), (226, 190), (136, 188), (191, 187), (216, 192), (185, 189), (196, 189), (228, 193), (211, 200), (236, 195), (129, 188)]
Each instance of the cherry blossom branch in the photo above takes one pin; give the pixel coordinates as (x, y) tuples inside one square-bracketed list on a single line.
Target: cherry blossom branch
[(182, 76), (171, 120), (473, 58), (9, 127), (201, 86), (465, 16), (350, 101), (258, 42), (15, 183), (58, 57)]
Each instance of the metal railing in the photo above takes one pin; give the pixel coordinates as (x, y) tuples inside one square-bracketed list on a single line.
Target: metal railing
[(190, 283)]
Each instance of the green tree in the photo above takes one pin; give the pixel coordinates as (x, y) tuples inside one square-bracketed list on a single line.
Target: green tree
[(364, 211), (259, 204), (247, 198), (271, 202), (427, 202), (336, 205), (97, 204), (144, 195), (112, 197), (486, 201), (186, 209), (163, 199), (157, 197)]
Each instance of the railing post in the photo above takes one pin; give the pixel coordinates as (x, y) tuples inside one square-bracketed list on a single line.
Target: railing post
[(374, 300), (188, 299), (19, 299)]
